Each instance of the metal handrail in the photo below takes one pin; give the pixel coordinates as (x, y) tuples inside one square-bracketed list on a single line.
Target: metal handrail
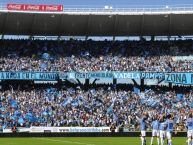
[(132, 8)]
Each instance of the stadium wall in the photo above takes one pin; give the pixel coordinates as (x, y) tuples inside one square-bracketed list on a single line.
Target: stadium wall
[(109, 134)]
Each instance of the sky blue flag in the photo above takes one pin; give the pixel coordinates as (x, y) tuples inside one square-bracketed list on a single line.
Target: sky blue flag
[(17, 113), (29, 116), (13, 103), (115, 117), (2, 109), (45, 56), (93, 92), (21, 121), (136, 90), (43, 65), (13, 117), (110, 110), (4, 126), (45, 113), (67, 101), (75, 102), (180, 97)]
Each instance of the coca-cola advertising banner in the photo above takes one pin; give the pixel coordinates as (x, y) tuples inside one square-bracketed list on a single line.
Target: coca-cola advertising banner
[(31, 7)]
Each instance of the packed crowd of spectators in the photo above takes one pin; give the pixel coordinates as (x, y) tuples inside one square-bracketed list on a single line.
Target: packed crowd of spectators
[(76, 55), (98, 105), (91, 106)]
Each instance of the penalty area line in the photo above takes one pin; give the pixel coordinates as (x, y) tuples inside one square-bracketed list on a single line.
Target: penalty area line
[(72, 142)]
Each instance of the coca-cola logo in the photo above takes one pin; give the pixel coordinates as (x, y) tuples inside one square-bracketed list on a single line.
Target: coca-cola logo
[(29, 7), (15, 7), (51, 8), (32, 7)]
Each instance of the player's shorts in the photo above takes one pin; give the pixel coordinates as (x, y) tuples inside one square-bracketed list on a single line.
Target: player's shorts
[(190, 133), (155, 132), (143, 133), (169, 135), (162, 133)]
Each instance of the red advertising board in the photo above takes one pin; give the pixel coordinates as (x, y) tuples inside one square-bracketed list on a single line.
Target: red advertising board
[(15, 7), (53, 7), (31, 7)]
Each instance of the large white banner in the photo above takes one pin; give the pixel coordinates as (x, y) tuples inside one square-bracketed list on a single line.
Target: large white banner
[(35, 129), (69, 129), (19, 129), (83, 129)]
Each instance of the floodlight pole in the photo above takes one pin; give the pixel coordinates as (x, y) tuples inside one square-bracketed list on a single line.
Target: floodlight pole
[(33, 21), (88, 26), (114, 37), (30, 37), (115, 27), (152, 38), (142, 24), (60, 26), (142, 83), (114, 81), (4, 23), (86, 38), (87, 81), (59, 38), (169, 36)]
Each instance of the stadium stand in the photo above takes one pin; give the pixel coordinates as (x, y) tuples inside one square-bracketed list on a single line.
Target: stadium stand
[(82, 56), (91, 106), (62, 99)]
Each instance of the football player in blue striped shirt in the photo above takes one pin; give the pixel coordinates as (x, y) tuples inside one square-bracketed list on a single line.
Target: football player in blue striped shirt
[(155, 127)]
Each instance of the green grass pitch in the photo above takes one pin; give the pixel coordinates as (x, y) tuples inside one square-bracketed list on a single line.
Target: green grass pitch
[(82, 141)]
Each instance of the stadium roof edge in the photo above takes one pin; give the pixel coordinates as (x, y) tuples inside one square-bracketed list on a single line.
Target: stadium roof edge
[(81, 22), (100, 13)]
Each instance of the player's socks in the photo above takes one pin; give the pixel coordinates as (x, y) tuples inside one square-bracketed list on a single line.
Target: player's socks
[(151, 141), (162, 141), (142, 141), (170, 142), (189, 142), (157, 141)]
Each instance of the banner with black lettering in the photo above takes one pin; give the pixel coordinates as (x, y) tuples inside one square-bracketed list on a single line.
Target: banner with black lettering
[(38, 76), (70, 129), (179, 78)]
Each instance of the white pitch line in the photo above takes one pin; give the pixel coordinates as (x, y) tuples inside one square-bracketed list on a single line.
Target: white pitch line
[(65, 141)]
